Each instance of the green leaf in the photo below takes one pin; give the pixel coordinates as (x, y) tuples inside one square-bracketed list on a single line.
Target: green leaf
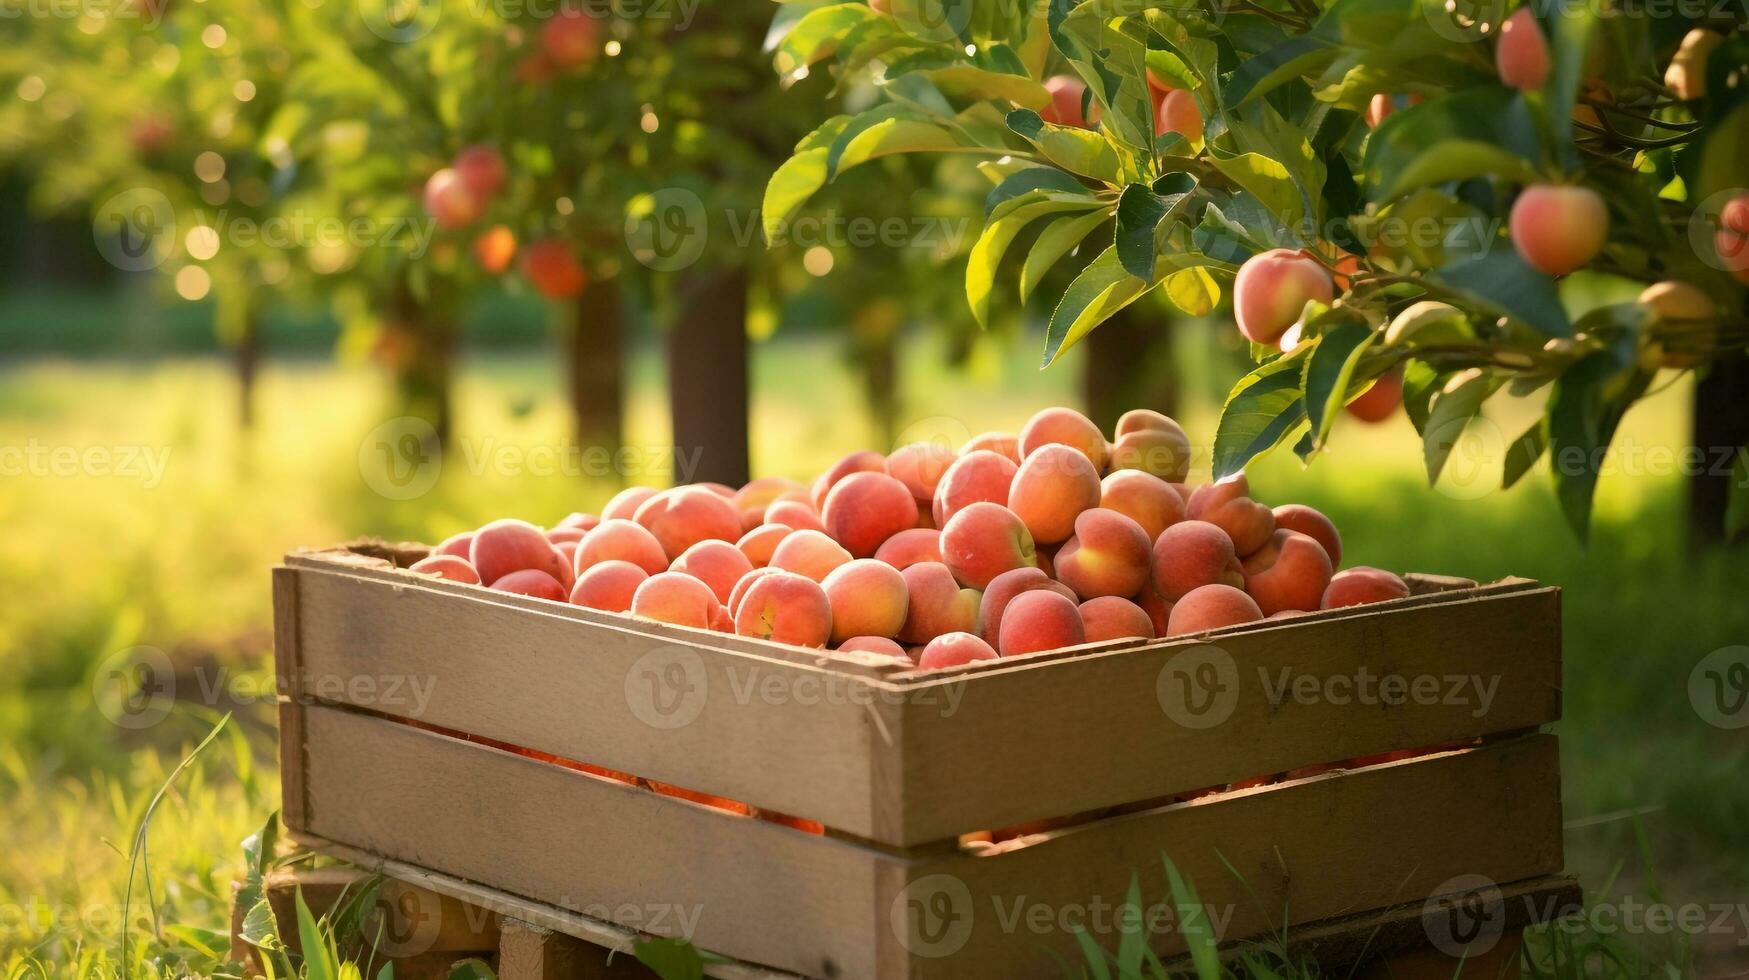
[(1130, 925), (1194, 924), (471, 969), (1479, 132), (1102, 288), (1031, 179), (968, 82), (1330, 372), (1259, 413), (1078, 151), (794, 181), (1053, 243), (1503, 281), (388, 971), (1570, 45), (1193, 290), (319, 963), (670, 959), (1139, 211), (1420, 383), (1452, 409), (1170, 68), (1524, 452), (998, 234), (883, 131), (1585, 408), (1293, 58), (1268, 181), (816, 35)]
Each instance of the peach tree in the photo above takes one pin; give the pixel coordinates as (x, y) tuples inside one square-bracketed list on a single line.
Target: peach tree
[(1418, 201)]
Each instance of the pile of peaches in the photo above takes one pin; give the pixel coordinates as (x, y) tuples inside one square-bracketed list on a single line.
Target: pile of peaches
[(1010, 545)]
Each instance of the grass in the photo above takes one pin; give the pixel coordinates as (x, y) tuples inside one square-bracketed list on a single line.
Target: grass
[(97, 564)]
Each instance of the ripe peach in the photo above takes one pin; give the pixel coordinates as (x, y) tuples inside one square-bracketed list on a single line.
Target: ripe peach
[(625, 504), (449, 201), (495, 248), (809, 553), (909, 547), (578, 520), (675, 597), (559, 535), (794, 514), (1053, 485), (1378, 109), (984, 540), (1003, 588), (759, 543), (1311, 522), (460, 545), (684, 516), (1686, 75), (721, 621), (624, 540), (1521, 55), (1362, 584), (1228, 506), (1067, 427), (552, 269), (569, 39), (1179, 114), (568, 561), (920, 467), (1110, 617), (885, 646), (717, 564), (981, 474), (1040, 620), (1272, 289), (1192, 554), (936, 604), (952, 650), (1109, 555), (531, 582), (510, 545), (1066, 93), (787, 608), (1379, 401), (449, 567), (1558, 228), (1003, 443), (868, 598), (1290, 572), (482, 169), (1143, 498), (857, 462), (1161, 450), (1158, 609), (1211, 607), (759, 494), (863, 510), (744, 584), (608, 585)]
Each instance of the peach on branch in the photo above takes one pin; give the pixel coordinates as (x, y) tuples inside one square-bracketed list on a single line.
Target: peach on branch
[(868, 598), (552, 269), (675, 597), (447, 566), (984, 540), (1191, 554), (1112, 617), (1521, 55), (1040, 619), (1686, 75), (1557, 228), (1273, 288), (1067, 92), (569, 39), (809, 553), (909, 547), (787, 608), (608, 585), (449, 201), (1212, 607), (1109, 555), (863, 510), (1290, 572), (623, 540), (1179, 114), (495, 249), (1054, 484), (1380, 400), (482, 170)]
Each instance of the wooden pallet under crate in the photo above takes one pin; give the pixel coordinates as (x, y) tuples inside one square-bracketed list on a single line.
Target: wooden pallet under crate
[(445, 729)]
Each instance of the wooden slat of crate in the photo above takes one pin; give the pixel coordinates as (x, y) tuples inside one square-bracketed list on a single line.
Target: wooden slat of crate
[(902, 759), (823, 907)]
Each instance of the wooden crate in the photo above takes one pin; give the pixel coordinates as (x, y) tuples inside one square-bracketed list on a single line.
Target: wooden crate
[(407, 702)]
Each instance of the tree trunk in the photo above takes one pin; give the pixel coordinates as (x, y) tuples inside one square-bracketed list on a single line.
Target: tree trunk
[(880, 376), (248, 362), (707, 380), (423, 345), (1720, 426), (596, 371), (1128, 365)]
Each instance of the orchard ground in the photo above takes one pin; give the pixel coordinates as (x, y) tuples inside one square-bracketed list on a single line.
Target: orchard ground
[(99, 556)]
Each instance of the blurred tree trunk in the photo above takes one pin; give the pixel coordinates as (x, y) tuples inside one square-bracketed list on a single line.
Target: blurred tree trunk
[(248, 362), (596, 369), (1128, 365), (422, 342), (1720, 426), (874, 343), (707, 379)]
